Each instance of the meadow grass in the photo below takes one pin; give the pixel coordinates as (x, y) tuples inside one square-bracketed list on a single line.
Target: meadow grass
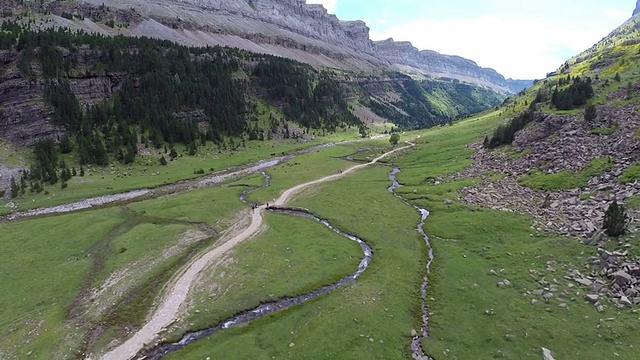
[(471, 317), (44, 264), (632, 174), (633, 202), (12, 155), (49, 261), (304, 168), (146, 172), (370, 319), (295, 256), (208, 205)]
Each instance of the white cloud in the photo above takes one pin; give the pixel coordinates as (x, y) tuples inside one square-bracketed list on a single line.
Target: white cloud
[(330, 5), (518, 48)]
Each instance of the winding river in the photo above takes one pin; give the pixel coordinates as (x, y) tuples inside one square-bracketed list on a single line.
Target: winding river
[(263, 310), (134, 347), (416, 343)]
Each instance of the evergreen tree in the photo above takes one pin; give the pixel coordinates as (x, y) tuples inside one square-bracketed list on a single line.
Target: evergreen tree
[(394, 139), (615, 220), (590, 113), (14, 188)]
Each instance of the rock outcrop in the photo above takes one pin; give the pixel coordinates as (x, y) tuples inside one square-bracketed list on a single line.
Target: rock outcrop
[(288, 28)]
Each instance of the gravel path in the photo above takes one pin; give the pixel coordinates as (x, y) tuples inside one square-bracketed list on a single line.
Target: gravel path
[(177, 294)]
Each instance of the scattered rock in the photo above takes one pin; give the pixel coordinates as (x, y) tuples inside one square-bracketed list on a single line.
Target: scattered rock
[(621, 277), (546, 354), (625, 302), (584, 282), (292, 345), (592, 298)]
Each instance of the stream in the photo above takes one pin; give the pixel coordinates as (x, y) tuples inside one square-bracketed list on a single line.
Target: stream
[(416, 343), (246, 317)]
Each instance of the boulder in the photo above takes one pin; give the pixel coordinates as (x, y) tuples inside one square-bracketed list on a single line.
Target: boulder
[(621, 277), (592, 298), (625, 302), (546, 354)]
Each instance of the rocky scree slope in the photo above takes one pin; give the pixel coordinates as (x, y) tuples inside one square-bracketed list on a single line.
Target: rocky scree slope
[(288, 28), (565, 168)]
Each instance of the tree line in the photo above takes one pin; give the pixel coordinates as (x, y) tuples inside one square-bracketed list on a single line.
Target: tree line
[(163, 84)]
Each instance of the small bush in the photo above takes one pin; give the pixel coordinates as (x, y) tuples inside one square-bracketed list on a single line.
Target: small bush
[(590, 113), (615, 220)]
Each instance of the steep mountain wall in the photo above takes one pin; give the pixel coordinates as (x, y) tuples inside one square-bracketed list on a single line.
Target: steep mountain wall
[(288, 28)]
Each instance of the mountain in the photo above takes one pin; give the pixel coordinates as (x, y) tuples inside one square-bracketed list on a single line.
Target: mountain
[(154, 74), (404, 56), (287, 28), (570, 147), (637, 9)]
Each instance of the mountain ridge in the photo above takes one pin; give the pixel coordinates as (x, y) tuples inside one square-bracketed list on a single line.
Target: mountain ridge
[(288, 28)]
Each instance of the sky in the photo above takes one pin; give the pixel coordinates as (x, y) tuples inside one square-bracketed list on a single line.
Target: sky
[(519, 39)]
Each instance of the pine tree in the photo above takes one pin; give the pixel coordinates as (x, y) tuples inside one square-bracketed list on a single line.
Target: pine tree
[(590, 113), (14, 188), (615, 220)]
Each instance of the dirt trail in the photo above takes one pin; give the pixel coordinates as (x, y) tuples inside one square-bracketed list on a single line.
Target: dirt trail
[(178, 291)]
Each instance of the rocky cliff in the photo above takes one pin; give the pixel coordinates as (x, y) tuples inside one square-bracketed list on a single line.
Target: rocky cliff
[(288, 28), (637, 9), (404, 55)]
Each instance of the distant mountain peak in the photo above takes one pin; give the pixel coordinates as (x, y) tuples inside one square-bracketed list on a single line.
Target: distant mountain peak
[(637, 10)]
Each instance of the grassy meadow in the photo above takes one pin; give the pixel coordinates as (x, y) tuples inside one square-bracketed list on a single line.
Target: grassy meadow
[(146, 172), (370, 319), (295, 256), (473, 318), (50, 265), (123, 255)]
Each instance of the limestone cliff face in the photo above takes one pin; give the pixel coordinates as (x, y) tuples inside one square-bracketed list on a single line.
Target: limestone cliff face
[(403, 54), (288, 28), (24, 116)]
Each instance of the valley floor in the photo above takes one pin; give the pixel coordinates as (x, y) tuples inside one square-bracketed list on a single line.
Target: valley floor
[(83, 283)]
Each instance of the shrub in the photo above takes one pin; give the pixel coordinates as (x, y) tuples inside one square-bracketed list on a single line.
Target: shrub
[(590, 113), (615, 220), (394, 139)]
